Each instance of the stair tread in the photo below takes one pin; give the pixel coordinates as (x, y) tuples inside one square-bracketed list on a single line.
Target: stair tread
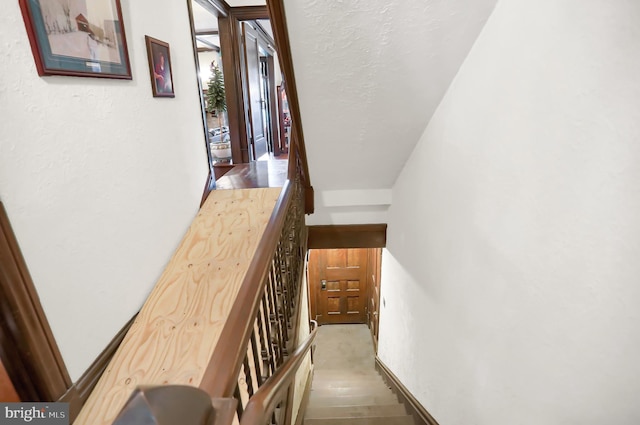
[(346, 377), (380, 410), (346, 388), (351, 400), (387, 420), (345, 391)]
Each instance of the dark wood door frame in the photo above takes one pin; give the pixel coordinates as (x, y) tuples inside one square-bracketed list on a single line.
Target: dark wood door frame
[(27, 347), (347, 236), (273, 116), (8, 393), (232, 65), (252, 78), (229, 31), (373, 297)]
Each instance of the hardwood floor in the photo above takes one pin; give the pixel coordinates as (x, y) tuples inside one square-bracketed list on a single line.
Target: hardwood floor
[(257, 174)]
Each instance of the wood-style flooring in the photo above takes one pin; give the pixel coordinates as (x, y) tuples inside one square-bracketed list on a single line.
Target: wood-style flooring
[(257, 174)]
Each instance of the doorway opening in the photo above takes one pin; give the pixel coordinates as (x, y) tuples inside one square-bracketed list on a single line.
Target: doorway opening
[(261, 79), (239, 41), (344, 286)]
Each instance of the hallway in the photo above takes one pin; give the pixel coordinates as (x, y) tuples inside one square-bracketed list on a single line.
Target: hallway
[(346, 388)]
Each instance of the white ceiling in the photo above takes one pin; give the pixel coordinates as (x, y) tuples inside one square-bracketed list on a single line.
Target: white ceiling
[(207, 41), (205, 21), (266, 26), (369, 75), (236, 3), (202, 18)]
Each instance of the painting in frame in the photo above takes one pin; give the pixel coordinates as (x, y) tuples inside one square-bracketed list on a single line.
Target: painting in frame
[(160, 67), (83, 38)]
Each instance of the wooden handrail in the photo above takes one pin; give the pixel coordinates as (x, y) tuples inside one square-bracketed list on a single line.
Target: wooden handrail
[(220, 377), (256, 335), (297, 148), (264, 401)]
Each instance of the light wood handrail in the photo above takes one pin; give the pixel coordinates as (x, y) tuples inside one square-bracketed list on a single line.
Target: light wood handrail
[(264, 401), (220, 377)]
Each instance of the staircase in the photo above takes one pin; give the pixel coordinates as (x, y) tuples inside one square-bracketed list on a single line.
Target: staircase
[(346, 389)]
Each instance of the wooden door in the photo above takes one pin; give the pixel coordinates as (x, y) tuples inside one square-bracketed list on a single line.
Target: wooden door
[(256, 123), (338, 282), (373, 300), (272, 115)]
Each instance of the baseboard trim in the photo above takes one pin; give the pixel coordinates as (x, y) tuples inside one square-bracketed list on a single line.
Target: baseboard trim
[(420, 414), (305, 398), (79, 392)]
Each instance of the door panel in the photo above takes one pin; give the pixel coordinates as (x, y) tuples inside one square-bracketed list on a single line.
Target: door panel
[(338, 283), (256, 123)]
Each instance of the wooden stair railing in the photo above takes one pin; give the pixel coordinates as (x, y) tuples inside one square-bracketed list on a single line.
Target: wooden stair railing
[(258, 334), (251, 365), (260, 408), (256, 337), (185, 405)]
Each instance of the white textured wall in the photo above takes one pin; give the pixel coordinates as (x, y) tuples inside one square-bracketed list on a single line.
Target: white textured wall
[(205, 59), (369, 76), (511, 275), (302, 374), (100, 180)]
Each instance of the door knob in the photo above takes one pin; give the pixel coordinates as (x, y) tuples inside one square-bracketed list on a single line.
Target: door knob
[(323, 285)]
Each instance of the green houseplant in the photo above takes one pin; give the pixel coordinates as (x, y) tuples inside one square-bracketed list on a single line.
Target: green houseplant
[(216, 103)]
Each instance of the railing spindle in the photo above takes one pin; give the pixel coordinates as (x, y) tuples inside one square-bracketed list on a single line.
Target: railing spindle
[(267, 337), (257, 360)]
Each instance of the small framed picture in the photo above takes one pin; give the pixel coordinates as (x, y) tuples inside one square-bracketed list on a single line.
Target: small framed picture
[(83, 38), (160, 67)]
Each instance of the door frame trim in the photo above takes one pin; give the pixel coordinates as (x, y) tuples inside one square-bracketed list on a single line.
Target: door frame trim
[(316, 266), (348, 236), (232, 67), (27, 347)]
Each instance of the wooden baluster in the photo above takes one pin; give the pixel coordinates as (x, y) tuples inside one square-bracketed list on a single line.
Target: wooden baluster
[(293, 263), (284, 334), (267, 340), (264, 354), (247, 376), (279, 339), (283, 305), (257, 360), (278, 282), (273, 319), (237, 396), (265, 350), (291, 253)]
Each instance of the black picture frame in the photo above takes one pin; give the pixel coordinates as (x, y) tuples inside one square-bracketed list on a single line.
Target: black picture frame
[(160, 70), (67, 39)]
